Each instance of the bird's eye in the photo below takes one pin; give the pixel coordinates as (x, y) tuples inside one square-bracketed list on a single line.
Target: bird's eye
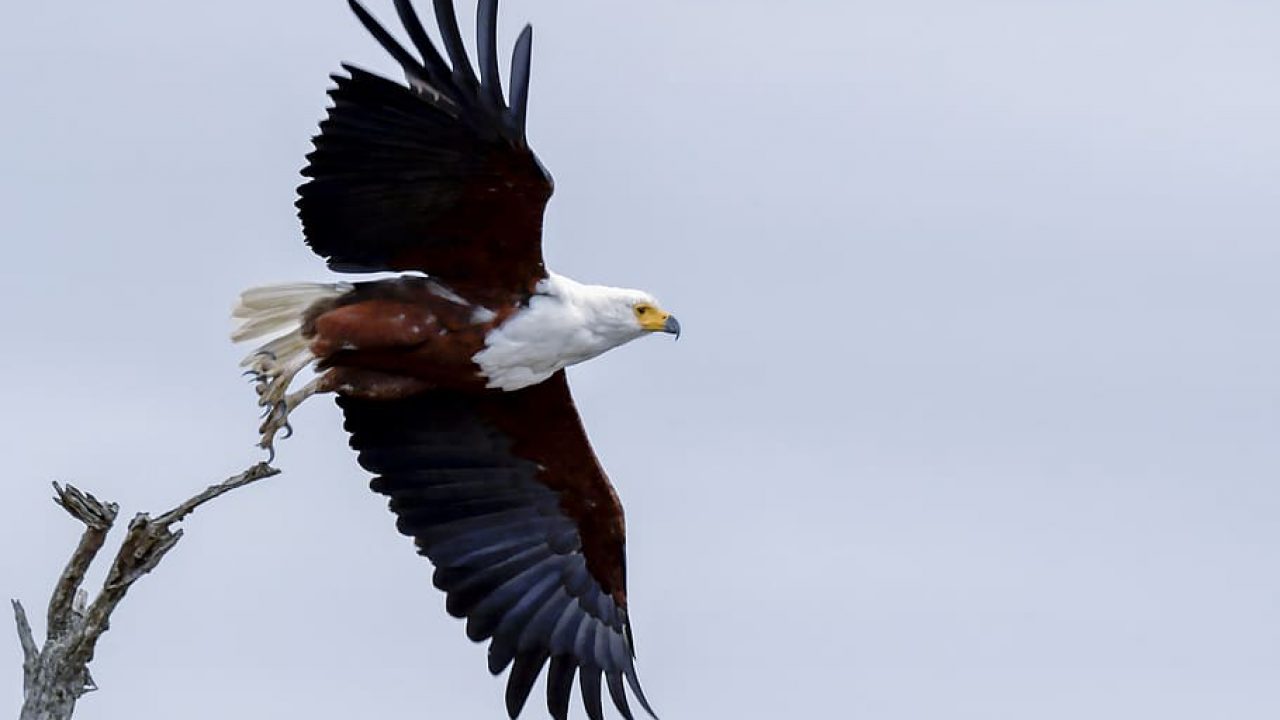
[(642, 309)]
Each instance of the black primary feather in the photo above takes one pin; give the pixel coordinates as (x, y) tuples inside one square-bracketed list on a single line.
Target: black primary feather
[(520, 63), (589, 684), (448, 22), (614, 681), (523, 674), (408, 62), (487, 51), (560, 686), (508, 558), (435, 176), (435, 64)]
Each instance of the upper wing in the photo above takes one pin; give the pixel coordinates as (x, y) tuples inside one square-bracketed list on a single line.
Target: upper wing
[(435, 176), (502, 491)]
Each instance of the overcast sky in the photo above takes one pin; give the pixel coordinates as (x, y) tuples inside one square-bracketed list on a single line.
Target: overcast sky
[(974, 417)]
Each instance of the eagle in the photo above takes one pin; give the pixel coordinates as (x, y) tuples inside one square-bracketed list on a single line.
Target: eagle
[(450, 373)]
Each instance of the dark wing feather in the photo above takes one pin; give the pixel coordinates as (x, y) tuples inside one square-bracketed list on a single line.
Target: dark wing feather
[(447, 19), (435, 176), (438, 69), (502, 491), (487, 50), (520, 59), (560, 686)]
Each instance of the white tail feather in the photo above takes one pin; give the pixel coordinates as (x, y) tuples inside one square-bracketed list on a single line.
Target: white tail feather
[(279, 310), (273, 308)]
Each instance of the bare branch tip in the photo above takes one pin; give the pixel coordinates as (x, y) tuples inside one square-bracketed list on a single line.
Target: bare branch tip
[(263, 469), (25, 636), (85, 507), (19, 612)]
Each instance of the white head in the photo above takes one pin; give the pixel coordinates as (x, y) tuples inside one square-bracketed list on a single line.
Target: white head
[(565, 323), (615, 315)]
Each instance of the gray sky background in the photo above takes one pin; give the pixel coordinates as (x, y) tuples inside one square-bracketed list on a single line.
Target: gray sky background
[(974, 417)]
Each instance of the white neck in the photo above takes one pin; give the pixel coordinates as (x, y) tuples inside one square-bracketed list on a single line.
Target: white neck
[(565, 322)]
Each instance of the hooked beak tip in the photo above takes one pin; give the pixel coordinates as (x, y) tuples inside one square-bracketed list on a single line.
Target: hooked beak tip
[(672, 326)]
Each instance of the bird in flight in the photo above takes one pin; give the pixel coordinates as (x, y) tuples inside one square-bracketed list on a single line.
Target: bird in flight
[(451, 375)]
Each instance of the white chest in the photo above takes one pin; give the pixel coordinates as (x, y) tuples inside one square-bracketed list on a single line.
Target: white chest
[(535, 344), (563, 324)]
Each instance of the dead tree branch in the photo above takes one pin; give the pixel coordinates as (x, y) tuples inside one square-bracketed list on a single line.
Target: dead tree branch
[(56, 675)]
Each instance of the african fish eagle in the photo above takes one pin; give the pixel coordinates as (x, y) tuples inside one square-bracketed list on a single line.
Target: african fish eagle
[(451, 378)]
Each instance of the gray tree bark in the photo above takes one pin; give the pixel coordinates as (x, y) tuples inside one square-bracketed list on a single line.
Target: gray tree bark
[(56, 675)]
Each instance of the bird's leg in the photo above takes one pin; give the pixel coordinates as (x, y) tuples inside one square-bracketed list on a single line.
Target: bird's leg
[(273, 368), (277, 414), (272, 376)]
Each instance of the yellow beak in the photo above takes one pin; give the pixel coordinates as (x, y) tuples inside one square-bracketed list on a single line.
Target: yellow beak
[(661, 322)]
